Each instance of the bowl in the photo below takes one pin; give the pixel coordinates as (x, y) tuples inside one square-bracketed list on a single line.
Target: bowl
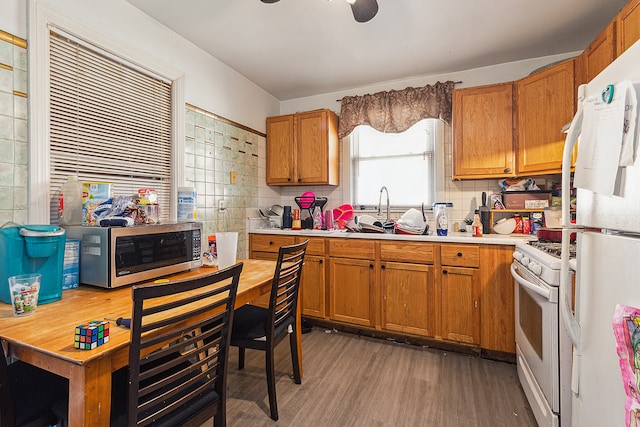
[(505, 226)]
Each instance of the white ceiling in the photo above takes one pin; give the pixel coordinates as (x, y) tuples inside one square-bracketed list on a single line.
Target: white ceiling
[(299, 48)]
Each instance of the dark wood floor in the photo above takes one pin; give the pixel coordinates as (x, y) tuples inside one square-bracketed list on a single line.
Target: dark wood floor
[(357, 381)]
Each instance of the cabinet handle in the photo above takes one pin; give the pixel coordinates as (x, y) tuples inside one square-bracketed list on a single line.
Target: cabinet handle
[(370, 265), (507, 170), (299, 179), (459, 253), (445, 272), (475, 304), (289, 179), (320, 261), (270, 243), (383, 266)]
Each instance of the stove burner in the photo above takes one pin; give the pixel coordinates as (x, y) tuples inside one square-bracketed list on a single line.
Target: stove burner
[(553, 248)]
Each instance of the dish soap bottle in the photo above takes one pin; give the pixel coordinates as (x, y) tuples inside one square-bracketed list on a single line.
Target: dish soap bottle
[(442, 222), (476, 225)]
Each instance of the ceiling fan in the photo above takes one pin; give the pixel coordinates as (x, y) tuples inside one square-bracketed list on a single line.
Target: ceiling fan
[(363, 10)]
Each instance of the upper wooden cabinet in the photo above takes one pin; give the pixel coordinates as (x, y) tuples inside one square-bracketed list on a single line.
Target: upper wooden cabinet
[(545, 102), (303, 149), (483, 132), (600, 53), (628, 25)]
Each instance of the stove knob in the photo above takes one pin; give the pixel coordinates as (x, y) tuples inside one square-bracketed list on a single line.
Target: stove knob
[(517, 255), (525, 261), (535, 268)]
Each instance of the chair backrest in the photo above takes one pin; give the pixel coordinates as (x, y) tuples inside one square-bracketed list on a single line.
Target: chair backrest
[(175, 378), (285, 288), (7, 417)]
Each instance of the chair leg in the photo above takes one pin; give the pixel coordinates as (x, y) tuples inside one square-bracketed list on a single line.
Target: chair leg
[(241, 358), (271, 383), (220, 419), (293, 341)]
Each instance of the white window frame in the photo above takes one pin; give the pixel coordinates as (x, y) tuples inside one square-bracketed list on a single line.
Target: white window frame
[(40, 18), (439, 129)]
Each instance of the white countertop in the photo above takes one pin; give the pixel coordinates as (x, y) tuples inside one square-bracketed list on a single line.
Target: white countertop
[(487, 239)]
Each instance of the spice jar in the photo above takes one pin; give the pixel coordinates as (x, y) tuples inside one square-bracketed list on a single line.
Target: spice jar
[(296, 224)]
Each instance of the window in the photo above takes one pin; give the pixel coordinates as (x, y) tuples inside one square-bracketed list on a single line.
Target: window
[(405, 163), (109, 121)]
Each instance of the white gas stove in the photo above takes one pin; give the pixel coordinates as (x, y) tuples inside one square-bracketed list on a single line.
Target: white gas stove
[(536, 272)]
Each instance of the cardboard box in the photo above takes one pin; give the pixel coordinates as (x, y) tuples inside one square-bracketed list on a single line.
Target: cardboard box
[(526, 199), (70, 268), (93, 194)]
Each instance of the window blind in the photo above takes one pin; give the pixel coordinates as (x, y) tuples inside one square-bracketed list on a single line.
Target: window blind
[(109, 122)]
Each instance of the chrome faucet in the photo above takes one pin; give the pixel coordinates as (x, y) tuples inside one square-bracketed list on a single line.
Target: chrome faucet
[(380, 202)]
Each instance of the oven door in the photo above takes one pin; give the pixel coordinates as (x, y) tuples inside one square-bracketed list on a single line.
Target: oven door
[(536, 330)]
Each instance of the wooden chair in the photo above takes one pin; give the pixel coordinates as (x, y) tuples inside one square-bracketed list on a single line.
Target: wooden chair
[(262, 329), (177, 371), (28, 394)]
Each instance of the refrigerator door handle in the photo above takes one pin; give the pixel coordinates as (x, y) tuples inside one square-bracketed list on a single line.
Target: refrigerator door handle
[(531, 286), (569, 319)]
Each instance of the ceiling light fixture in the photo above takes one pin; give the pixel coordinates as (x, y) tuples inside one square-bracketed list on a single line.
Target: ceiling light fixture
[(363, 10)]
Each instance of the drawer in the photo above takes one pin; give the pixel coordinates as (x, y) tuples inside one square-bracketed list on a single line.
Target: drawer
[(269, 242), (344, 248), (315, 245), (460, 255), (419, 253)]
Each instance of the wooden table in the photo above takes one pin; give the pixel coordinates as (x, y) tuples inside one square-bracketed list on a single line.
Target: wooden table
[(45, 339)]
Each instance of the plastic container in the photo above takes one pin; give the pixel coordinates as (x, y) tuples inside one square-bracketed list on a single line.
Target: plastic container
[(186, 204), (227, 245), (70, 202), (24, 293)]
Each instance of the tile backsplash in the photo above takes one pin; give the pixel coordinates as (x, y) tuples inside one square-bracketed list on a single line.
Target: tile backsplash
[(222, 164), (13, 129)]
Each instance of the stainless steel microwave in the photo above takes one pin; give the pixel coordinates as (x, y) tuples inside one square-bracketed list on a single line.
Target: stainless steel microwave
[(119, 256)]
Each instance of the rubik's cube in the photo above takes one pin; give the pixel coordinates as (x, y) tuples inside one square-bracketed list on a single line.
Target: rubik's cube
[(91, 335)]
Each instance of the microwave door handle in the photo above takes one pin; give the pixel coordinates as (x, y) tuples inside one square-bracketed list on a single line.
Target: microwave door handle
[(525, 283)]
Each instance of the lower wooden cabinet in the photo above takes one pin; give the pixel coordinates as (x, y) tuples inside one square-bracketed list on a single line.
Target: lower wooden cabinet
[(351, 290), (312, 287), (408, 298), (457, 292), (460, 304)]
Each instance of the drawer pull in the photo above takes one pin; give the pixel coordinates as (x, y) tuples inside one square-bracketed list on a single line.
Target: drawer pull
[(370, 265), (320, 262), (383, 266), (445, 272), (459, 253), (270, 243)]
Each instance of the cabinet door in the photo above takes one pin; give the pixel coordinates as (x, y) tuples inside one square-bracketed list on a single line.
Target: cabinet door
[(600, 53), (483, 132), (628, 25), (545, 103), (352, 291), (460, 302), (312, 286), (497, 318), (408, 298), (280, 149), (317, 147)]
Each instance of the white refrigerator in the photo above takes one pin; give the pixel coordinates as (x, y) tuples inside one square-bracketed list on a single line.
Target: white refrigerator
[(605, 374)]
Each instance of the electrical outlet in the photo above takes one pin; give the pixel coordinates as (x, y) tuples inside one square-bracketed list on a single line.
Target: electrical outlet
[(222, 205), (233, 177)]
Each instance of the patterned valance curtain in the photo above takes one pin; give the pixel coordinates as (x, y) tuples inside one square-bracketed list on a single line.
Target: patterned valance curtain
[(396, 110)]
